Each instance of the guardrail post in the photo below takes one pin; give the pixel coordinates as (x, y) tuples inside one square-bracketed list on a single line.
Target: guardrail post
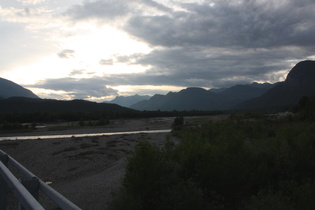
[(3, 185), (32, 185), (4, 159), (3, 193)]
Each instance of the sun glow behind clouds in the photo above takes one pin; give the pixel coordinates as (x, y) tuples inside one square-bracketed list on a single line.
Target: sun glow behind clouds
[(64, 95), (89, 44), (49, 66), (55, 94), (94, 42)]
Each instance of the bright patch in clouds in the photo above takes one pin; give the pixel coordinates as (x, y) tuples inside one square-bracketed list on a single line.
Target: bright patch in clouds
[(45, 67), (48, 93), (93, 43), (27, 2), (85, 46), (145, 89)]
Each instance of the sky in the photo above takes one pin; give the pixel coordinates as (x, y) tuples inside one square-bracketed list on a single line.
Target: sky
[(99, 49)]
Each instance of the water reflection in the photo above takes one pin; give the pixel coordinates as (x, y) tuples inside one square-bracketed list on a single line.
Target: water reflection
[(81, 135)]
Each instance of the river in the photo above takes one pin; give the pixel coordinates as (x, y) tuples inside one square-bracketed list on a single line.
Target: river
[(81, 135)]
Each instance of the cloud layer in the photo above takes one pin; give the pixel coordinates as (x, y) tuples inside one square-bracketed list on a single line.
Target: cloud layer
[(78, 88), (214, 43), (205, 43)]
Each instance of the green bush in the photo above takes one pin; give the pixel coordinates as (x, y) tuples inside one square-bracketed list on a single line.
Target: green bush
[(178, 123), (237, 164), (152, 182)]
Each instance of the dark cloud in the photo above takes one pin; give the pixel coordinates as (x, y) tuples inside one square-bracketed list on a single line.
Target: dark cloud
[(156, 5), (106, 62), (112, 10), (216, 43), (216, 23), (208, 68), (78, 88), (107, 10), (66, 53), (248, 24), (228, 42), (129, 59), (77, 72)]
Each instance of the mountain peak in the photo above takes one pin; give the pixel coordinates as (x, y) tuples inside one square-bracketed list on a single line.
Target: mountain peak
[(193, 90), (10, 89), (302, 73), (127, 101), (299, 82)]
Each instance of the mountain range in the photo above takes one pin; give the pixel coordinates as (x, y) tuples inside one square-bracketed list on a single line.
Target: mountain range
[(194, 98), (127, 101), (299, 82)]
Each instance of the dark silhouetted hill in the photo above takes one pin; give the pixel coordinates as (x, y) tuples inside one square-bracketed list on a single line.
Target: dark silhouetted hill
[(299, 83), (32, 105), (127, 101), (200, 99), (10, 89)]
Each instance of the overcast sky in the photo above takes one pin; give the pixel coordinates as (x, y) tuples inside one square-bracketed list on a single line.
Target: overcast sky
[(98, 49)]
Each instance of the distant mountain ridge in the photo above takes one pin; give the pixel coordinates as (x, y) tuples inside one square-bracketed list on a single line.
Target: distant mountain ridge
[(194, 98), (299, 82), (10, 89), (127, 101)]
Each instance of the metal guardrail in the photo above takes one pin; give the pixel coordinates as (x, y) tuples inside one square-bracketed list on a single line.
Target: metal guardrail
[(26, 190)]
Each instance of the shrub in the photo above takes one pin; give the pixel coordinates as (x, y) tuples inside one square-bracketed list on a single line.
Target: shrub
[(237, 164), (178, 123)]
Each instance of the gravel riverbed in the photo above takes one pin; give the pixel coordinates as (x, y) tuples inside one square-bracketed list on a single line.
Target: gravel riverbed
[(86, 170)]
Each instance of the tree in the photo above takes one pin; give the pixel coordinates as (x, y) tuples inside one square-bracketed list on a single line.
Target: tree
[(178, 123)]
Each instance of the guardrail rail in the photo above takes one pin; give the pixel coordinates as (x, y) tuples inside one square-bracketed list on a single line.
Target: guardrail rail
[(26, 190)]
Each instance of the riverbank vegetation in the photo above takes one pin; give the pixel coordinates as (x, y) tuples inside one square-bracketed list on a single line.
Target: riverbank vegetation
[(23, 122), (248, 161)]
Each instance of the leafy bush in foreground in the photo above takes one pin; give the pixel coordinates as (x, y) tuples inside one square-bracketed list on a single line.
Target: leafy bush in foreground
[(236, 164)]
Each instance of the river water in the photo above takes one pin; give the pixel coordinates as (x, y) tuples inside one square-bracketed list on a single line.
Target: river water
[(81, 135)]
